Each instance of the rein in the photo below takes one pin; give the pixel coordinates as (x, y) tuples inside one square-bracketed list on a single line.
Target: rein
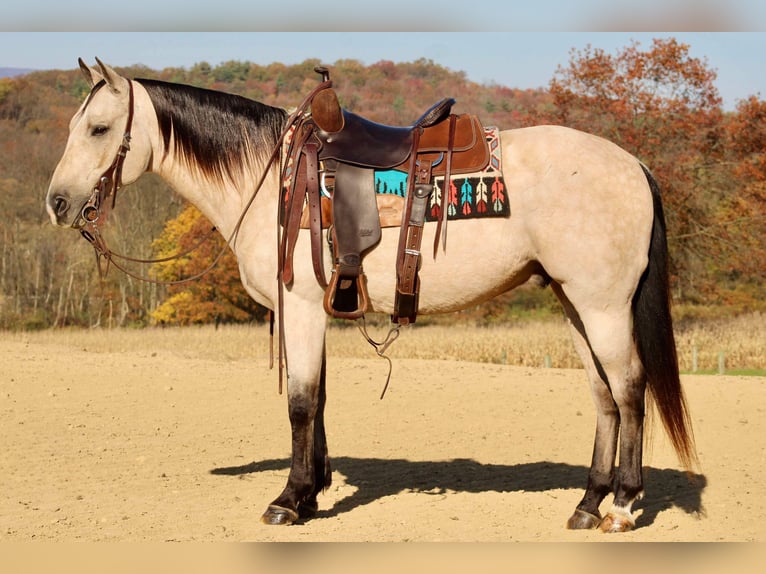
[(93, 214)]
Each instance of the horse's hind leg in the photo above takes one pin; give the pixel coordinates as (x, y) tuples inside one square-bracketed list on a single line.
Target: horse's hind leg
[(604, 341)]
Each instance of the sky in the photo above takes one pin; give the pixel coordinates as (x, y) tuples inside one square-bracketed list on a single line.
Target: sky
[(390, 15), (519, 45), (514, 59)]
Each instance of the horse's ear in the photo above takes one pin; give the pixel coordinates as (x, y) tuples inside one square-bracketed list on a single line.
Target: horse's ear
[(92, 76), (112, 78)]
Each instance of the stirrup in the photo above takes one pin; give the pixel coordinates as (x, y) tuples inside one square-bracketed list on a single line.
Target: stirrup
[(346, 296)]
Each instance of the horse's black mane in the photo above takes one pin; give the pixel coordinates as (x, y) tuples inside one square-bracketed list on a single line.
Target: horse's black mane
[(213, 131)]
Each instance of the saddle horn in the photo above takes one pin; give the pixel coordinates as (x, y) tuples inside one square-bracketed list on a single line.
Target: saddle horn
[(324, 71)]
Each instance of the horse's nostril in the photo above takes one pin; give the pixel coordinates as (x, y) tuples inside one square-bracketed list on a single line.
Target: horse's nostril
[(61, 206)]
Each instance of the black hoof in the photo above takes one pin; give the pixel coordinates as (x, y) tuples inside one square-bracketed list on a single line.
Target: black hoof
[(582, 520), (278, 516), (308, 509)]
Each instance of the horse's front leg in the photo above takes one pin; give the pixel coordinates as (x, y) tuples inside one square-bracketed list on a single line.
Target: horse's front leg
[(310, 471)]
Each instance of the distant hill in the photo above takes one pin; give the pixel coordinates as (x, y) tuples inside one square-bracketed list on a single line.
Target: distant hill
[(10, 72)]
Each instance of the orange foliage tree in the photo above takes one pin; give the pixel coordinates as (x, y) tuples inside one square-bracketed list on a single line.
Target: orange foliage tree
[(218, 295), (745, 210)]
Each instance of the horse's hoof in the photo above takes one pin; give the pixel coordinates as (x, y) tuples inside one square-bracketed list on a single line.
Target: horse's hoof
[(617, 522), (582, 520), (278, 515), (308, 509)]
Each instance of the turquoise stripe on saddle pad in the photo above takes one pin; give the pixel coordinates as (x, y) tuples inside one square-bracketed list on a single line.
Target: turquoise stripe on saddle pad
[(391, 182)]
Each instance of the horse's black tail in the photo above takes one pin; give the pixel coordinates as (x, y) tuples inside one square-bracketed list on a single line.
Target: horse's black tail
[(653, 332)]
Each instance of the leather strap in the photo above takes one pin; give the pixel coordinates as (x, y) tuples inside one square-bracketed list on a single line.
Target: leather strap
[(444, 206), (305, 182), (310, 149), (293, 211), (408, 204), (410, 239)]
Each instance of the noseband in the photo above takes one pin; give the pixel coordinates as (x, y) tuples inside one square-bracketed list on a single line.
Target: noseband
[(93, 213)]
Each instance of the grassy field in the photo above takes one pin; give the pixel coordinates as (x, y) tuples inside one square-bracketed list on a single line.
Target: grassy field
[(739, 341)]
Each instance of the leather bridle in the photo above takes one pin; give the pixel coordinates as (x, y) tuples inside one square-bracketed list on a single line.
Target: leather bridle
[(94, 212), (110, 181)]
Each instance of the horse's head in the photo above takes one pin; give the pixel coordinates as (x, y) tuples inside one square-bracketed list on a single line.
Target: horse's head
[(96, 160)]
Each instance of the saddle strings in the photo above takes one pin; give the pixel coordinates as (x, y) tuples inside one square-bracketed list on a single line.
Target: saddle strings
[(380, 348)]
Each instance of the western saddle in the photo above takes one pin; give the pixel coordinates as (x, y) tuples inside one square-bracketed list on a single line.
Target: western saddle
[(333, 144)]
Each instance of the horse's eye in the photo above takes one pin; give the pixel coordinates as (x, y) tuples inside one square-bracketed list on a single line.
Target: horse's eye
[(99, 130)]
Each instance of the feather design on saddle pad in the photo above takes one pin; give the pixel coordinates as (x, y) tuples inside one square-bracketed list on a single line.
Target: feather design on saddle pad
[(481, 196)]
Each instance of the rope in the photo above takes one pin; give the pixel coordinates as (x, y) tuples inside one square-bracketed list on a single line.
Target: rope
[(380, 348)]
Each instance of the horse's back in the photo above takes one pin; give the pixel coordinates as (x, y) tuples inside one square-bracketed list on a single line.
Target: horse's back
[(580, 214)]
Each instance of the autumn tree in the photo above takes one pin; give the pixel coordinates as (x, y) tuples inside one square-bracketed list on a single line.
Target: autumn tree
[(215, 293), (743, 273), (662, 105)]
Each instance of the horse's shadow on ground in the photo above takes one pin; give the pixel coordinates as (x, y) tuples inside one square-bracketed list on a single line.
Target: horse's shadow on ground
[(376, 478)]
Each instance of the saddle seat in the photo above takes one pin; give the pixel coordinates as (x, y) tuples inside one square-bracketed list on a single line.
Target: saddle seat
[(351, 138)]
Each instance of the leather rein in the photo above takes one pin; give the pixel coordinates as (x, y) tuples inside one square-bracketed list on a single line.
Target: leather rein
[(92, 216), (94, 212)]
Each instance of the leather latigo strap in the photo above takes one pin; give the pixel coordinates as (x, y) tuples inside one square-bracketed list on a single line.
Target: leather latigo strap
[(444, 206), (295, 204), (315, 211), (408, 283), (410, 239)]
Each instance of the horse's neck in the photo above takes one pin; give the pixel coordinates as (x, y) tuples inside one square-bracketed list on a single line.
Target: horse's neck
[(250, 228), (223, 203)]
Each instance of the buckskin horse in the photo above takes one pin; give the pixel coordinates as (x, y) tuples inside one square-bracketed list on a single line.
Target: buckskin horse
[(584, 217)]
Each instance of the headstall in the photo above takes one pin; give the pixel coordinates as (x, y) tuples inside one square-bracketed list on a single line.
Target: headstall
[(94, 212)]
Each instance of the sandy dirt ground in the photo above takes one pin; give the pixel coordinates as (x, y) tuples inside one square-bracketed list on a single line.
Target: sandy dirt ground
[(150, 446)]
